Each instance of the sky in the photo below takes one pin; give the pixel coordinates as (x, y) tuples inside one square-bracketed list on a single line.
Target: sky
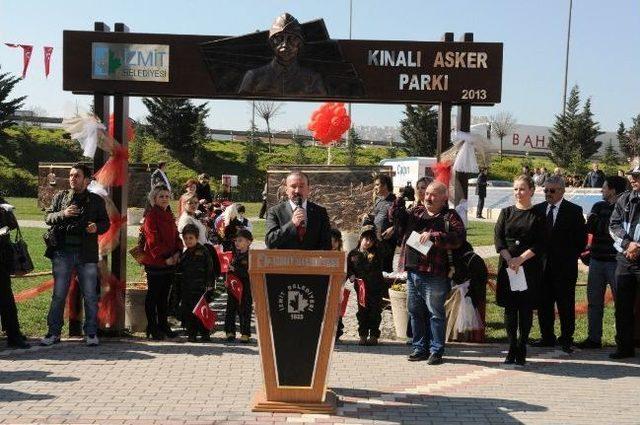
[(604, 52)]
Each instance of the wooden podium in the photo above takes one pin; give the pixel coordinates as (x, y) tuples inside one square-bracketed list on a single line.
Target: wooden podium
[(297, 296)]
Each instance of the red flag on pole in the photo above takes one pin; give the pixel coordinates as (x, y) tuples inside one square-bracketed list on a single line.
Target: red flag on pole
[(48, 51), (361, 287), (344, 301), (204, 313), (26, 56), (235, 286)]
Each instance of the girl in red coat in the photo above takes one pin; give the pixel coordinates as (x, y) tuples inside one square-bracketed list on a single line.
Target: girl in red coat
[(161, 252)]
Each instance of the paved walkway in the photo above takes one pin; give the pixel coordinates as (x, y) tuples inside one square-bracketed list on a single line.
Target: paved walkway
[(137, 382)]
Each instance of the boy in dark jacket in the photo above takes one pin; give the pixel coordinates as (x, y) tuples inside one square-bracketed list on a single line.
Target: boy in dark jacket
[(365, 262), (196, 266), (240, 268)]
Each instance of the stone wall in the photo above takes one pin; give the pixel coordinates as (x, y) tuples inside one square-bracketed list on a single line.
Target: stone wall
[(346, 192), (54, 176)]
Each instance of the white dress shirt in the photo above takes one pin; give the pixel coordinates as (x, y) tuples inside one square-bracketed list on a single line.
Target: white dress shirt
[(555, 210)]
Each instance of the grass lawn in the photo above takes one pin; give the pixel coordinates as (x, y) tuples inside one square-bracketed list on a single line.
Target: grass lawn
[(480, 233), (26, 208)]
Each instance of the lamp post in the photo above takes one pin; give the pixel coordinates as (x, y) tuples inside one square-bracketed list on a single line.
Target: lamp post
[(566, 62)]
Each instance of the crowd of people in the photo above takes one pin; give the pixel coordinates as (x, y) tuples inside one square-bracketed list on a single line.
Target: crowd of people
[(538, 246)]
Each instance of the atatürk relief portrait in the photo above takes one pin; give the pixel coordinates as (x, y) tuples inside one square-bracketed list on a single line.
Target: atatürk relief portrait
[(283, 76)]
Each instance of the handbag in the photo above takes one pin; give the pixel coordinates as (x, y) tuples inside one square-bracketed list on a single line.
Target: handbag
[(137, 252), (21, 263)]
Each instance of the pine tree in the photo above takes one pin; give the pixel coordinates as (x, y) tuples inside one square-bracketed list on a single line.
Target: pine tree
[(420, 130), (623, 141), (610, 159), (574, 133), (353, 145), (588, 130), (177, 123), (630, 139), (8, 107), (562, 140), (252, 147), (300, 154)]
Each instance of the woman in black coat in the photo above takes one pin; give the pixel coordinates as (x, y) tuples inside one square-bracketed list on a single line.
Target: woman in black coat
[(8, 310), (519, 239)]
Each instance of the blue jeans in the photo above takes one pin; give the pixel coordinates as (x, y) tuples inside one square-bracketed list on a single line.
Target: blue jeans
[(600, 273), (426, 295), (63, 263)]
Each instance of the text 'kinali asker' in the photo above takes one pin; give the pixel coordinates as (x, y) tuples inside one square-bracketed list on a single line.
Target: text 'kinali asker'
[(414, 58)]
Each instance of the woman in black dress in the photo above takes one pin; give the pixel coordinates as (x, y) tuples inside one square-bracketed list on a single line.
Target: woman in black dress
[(519, 239)]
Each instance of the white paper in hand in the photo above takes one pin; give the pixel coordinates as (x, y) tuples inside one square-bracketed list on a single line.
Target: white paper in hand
[(517, 281), (414, 242)]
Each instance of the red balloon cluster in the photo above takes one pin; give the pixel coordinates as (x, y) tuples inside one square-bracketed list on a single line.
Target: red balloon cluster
[(329, 122), (131, 132)]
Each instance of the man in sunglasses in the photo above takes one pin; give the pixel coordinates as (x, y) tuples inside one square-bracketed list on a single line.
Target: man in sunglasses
[(566, 241), (626, 236)]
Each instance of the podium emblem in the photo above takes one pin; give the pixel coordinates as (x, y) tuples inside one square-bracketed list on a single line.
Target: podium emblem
[(296, 300)]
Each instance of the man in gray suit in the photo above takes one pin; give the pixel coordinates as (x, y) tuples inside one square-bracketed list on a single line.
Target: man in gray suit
[(297, 223)]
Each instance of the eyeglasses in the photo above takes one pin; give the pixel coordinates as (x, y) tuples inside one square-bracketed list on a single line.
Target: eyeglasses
[(552, 191)]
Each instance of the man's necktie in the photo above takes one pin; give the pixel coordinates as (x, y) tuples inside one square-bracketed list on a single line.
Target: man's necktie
[(550, 216), (301, 230)]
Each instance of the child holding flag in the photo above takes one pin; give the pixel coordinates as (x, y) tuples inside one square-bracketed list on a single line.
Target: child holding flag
[(239, 301), (196, 266), (364, 268)]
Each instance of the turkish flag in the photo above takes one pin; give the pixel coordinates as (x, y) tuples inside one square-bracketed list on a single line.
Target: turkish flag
[(344, 301), (204, 313), (48, 51), (225, 259), (235, 286), (361, 289), (26, 56)]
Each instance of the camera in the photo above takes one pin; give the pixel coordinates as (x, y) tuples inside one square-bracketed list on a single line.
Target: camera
[(408, 192)]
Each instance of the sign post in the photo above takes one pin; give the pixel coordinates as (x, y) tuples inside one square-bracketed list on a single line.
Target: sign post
[(297, 299)]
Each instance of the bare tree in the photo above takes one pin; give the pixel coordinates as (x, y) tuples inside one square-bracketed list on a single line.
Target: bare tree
[(502, 124), (267, 111)]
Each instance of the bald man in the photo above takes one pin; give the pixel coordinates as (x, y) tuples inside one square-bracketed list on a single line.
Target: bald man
[(428, 276), (297, 223)]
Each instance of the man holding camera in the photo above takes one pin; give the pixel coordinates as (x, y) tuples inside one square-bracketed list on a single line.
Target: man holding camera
[(76, 217), (383, 188)]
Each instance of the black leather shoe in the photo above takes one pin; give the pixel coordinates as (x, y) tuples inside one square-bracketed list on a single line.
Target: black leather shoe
[(416, 356), (434, 359), (567, 348), (616, 355), (588, 344)]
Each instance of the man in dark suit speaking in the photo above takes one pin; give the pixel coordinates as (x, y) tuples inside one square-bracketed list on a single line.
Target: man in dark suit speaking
[(298, 223), (566, 239)]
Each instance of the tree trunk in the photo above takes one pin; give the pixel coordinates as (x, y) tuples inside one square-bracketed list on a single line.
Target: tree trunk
[(269, 131)]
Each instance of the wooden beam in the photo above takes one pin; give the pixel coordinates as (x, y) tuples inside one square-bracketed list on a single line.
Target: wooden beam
[(119, 256)]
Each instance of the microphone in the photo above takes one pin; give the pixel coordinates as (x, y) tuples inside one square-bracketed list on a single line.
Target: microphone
[(299, 201)]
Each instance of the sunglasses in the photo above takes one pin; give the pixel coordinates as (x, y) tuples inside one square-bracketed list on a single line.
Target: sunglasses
[(552, 191)]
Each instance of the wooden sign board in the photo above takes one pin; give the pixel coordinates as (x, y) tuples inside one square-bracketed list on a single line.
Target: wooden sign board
[(297, 298), (201, 66)]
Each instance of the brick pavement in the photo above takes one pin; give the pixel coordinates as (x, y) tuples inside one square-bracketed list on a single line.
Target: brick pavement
[(139, 382)]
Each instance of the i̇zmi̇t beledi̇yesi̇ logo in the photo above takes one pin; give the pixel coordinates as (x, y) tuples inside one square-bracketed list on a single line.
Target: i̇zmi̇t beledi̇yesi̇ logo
[(296, 300), (130, 62)]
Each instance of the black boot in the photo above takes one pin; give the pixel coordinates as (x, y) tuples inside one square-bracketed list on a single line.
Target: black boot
[(511, 355)]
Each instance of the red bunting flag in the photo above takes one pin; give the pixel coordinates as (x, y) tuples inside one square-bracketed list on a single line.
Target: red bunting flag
[(26, 56), (361, 289), (234, 286), (344, 301), (48, 51), (204, 313)]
